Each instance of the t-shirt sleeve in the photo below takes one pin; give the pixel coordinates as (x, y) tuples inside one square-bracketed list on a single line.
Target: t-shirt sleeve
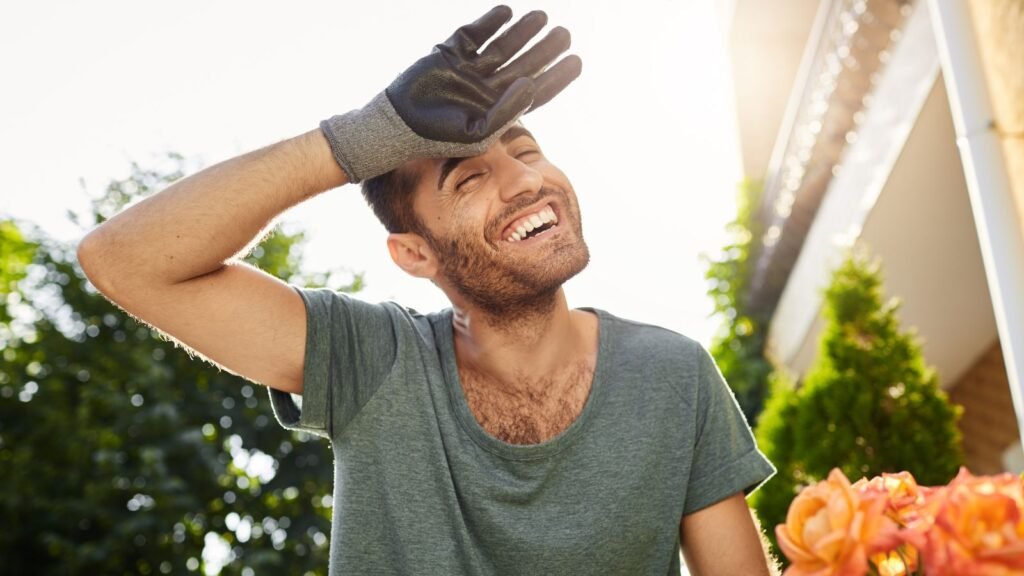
[(350, 348), (726, 459)]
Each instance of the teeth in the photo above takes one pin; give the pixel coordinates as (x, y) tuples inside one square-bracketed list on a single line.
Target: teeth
[(532, 222)]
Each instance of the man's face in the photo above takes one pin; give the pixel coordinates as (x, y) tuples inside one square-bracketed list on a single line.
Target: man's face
[(504, 225)]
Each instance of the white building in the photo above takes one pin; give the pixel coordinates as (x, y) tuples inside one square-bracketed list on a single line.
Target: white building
[(895, 125)]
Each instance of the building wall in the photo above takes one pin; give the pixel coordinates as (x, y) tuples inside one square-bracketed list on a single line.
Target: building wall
[(989, 424), (999, 27)]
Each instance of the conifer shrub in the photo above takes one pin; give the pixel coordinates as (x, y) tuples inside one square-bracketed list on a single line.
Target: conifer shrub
[(867, 405)]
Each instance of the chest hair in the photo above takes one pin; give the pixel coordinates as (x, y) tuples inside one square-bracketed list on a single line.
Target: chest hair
[(531, 411)]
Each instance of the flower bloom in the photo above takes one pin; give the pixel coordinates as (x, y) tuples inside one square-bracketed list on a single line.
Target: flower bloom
[(900, 562), (831, 529), (904, 503), (904, 496), (978, 527)]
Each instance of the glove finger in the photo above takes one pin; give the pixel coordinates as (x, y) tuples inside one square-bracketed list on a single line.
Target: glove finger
[(511, 41), (472, 36), (554, 79), (535, 59), (512, 103)]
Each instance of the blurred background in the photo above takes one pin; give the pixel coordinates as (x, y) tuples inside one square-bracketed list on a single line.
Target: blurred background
[(828, 194), (881, 144)]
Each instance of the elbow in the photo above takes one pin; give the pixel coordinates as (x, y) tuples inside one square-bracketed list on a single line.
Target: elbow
[(82, 254), (88, 259)]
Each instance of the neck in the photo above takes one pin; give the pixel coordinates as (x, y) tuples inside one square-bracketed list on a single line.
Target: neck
[(526, 347)]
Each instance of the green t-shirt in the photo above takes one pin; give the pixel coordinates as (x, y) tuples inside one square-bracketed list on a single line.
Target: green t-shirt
[(421, 488)]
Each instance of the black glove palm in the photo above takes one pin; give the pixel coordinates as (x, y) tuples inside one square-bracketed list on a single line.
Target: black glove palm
[(454, 102), (456, 95)]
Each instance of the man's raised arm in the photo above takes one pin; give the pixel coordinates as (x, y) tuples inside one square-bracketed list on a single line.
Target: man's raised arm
[(197, 224), (172, 259)]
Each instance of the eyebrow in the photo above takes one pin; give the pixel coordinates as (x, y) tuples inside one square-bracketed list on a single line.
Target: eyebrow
[(451, 163)]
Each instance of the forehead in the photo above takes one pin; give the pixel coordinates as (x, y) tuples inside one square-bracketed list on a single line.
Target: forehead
[(428, 173), (431, 171)]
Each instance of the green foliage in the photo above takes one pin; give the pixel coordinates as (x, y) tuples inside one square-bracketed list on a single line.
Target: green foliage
[(868, 405), (120, 454), (776, 438), (16, 255), (738, 347)]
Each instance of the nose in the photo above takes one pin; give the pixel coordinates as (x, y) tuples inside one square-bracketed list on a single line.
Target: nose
[(517, 177)]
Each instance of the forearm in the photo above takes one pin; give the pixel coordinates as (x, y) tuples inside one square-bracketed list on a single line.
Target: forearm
[(725, 538), (766, 546), (197, 224)]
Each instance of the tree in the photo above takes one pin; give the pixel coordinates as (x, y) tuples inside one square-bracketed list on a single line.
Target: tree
[(738, 348), (868, 405), (121, 454)]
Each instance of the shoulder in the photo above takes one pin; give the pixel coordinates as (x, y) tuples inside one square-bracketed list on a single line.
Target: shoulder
[(650, 341), (655, 353), (343, 311)]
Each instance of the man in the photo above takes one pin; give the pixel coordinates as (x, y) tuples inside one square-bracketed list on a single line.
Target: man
[(508, 434)]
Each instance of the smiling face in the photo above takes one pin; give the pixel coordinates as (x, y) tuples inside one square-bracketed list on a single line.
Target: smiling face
[(504, 226)]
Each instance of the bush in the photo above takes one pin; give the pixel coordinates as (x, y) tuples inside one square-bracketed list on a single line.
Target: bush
[(738, 346), (868, 405)]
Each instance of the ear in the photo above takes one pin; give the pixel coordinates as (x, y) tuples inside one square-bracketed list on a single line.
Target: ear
[(412, 254)]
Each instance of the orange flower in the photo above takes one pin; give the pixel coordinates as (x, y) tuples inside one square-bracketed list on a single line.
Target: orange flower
[(904, 496), (831, 529), (900, 562), (904, 503), (978, 527)]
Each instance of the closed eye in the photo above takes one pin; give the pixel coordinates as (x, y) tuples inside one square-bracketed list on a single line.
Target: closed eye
[(467, 180)]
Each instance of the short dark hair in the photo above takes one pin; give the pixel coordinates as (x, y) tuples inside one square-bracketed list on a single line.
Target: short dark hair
[(390, 195)]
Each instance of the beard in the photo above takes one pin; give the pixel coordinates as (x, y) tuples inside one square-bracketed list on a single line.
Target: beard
[(506, 285)]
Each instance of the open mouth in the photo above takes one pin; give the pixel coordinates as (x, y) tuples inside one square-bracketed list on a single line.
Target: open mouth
[(532, 225)]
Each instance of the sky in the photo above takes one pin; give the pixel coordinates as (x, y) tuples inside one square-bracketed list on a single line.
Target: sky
[(647, 133)]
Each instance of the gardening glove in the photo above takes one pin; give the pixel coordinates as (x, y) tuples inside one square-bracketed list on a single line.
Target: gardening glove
[(454, 102)]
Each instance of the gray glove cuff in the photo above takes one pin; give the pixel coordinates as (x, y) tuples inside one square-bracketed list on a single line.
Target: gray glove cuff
[(373, 140)]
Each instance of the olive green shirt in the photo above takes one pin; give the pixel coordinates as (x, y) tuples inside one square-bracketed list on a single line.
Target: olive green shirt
[(421, 488)]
